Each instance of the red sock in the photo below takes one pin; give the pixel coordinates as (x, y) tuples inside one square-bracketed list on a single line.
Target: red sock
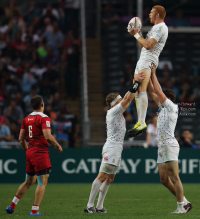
[(14, 201), (35, 208)]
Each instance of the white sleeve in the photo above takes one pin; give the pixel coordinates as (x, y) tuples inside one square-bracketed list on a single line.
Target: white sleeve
[(157, 33), (116, 110), (149, 128), (170, 106)]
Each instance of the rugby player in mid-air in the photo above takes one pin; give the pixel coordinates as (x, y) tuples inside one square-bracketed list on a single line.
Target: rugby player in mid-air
[(112, 149), (168, 147), (152, 46), (37, 127)]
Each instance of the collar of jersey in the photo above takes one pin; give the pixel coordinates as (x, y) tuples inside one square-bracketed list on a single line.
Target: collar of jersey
[(38, 113)]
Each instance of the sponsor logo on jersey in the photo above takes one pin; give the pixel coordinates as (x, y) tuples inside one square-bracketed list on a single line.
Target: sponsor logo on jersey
[(105, 158), (47, 123), (30, 119)]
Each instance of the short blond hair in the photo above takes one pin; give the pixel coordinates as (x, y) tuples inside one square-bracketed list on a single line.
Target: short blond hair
[(110, 97), (160, 10)]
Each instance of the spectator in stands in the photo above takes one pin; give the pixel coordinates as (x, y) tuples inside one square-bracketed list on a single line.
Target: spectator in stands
[(186, 140), (47, 24), (56, 103), (52, 57), (75, 129), (14, 112), (18, 43), (62, 127), (28, 80), (31, 35), (14, 128), (51, 12), (72, 72), (31, 12), (48, 110), (71, 9), (9, 10), (51, 76), (28, 97), (197, 94), (109, 16), (72, 39), (186, 93), (179, 20), (16, 25), (54, 37), (42, 49), (5, 135), (19, 100), (151, 134)]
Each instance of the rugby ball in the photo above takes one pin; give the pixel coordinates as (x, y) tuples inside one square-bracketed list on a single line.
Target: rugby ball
[(135, 22)]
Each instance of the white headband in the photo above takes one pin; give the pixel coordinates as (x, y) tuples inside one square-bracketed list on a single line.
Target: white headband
[(115, 100)]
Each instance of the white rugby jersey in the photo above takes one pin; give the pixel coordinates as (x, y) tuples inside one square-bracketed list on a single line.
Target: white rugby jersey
[(160, 33), (116, 125), (166, 124)]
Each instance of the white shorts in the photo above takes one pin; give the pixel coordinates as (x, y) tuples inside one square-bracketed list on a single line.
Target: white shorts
[(167, 153), (143, 65), (108, 168), (111, 156)]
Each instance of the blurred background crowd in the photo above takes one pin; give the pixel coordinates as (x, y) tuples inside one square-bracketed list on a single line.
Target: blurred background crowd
[(39, 47), (40, 53)]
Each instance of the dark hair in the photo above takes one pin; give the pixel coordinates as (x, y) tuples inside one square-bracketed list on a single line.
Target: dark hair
[(36, 102), (170, 94)]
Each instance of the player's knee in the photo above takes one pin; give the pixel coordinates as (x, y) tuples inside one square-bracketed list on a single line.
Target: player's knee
[(174, 178), (28, 183), (164, 180), (110, 180)]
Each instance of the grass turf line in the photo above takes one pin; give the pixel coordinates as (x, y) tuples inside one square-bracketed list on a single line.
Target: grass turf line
[(122, 201)]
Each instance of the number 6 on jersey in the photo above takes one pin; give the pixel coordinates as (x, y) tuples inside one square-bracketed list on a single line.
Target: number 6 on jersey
[(30, 133)]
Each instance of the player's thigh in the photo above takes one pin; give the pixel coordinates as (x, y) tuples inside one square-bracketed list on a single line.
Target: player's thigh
[(30, 179), (43, 179), (145, 82)]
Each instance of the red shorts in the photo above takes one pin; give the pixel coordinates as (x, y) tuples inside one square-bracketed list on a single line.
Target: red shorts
[(37, 161)]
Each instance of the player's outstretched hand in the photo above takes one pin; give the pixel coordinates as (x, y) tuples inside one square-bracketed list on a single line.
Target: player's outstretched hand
[(141, 76), (133, 30), (153, 68), (60, 149)]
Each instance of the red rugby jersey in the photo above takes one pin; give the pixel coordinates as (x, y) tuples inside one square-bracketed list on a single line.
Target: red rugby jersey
[(33, 124)]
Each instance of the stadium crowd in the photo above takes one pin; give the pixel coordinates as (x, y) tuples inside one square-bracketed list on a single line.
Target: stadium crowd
[(37, 42)]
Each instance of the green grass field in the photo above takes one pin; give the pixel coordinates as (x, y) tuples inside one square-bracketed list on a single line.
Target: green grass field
[(123, 201)]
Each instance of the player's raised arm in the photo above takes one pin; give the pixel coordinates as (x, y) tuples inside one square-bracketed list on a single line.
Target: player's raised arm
[(147, 44), (22, 137), (157, 88), (152, 92), (51, 140), (129, 96)]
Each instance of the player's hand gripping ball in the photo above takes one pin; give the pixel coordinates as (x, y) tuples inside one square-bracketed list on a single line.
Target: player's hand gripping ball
[(136, 23)]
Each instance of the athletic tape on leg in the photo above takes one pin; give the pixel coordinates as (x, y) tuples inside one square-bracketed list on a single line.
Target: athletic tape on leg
[(39, 180), (26, 177)]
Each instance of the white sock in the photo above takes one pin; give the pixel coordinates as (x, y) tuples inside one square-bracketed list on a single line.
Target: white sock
[(143, 104), (95, 189), (102, 194), (185, 201), (15, 199), (137, 107), (180, 205)]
